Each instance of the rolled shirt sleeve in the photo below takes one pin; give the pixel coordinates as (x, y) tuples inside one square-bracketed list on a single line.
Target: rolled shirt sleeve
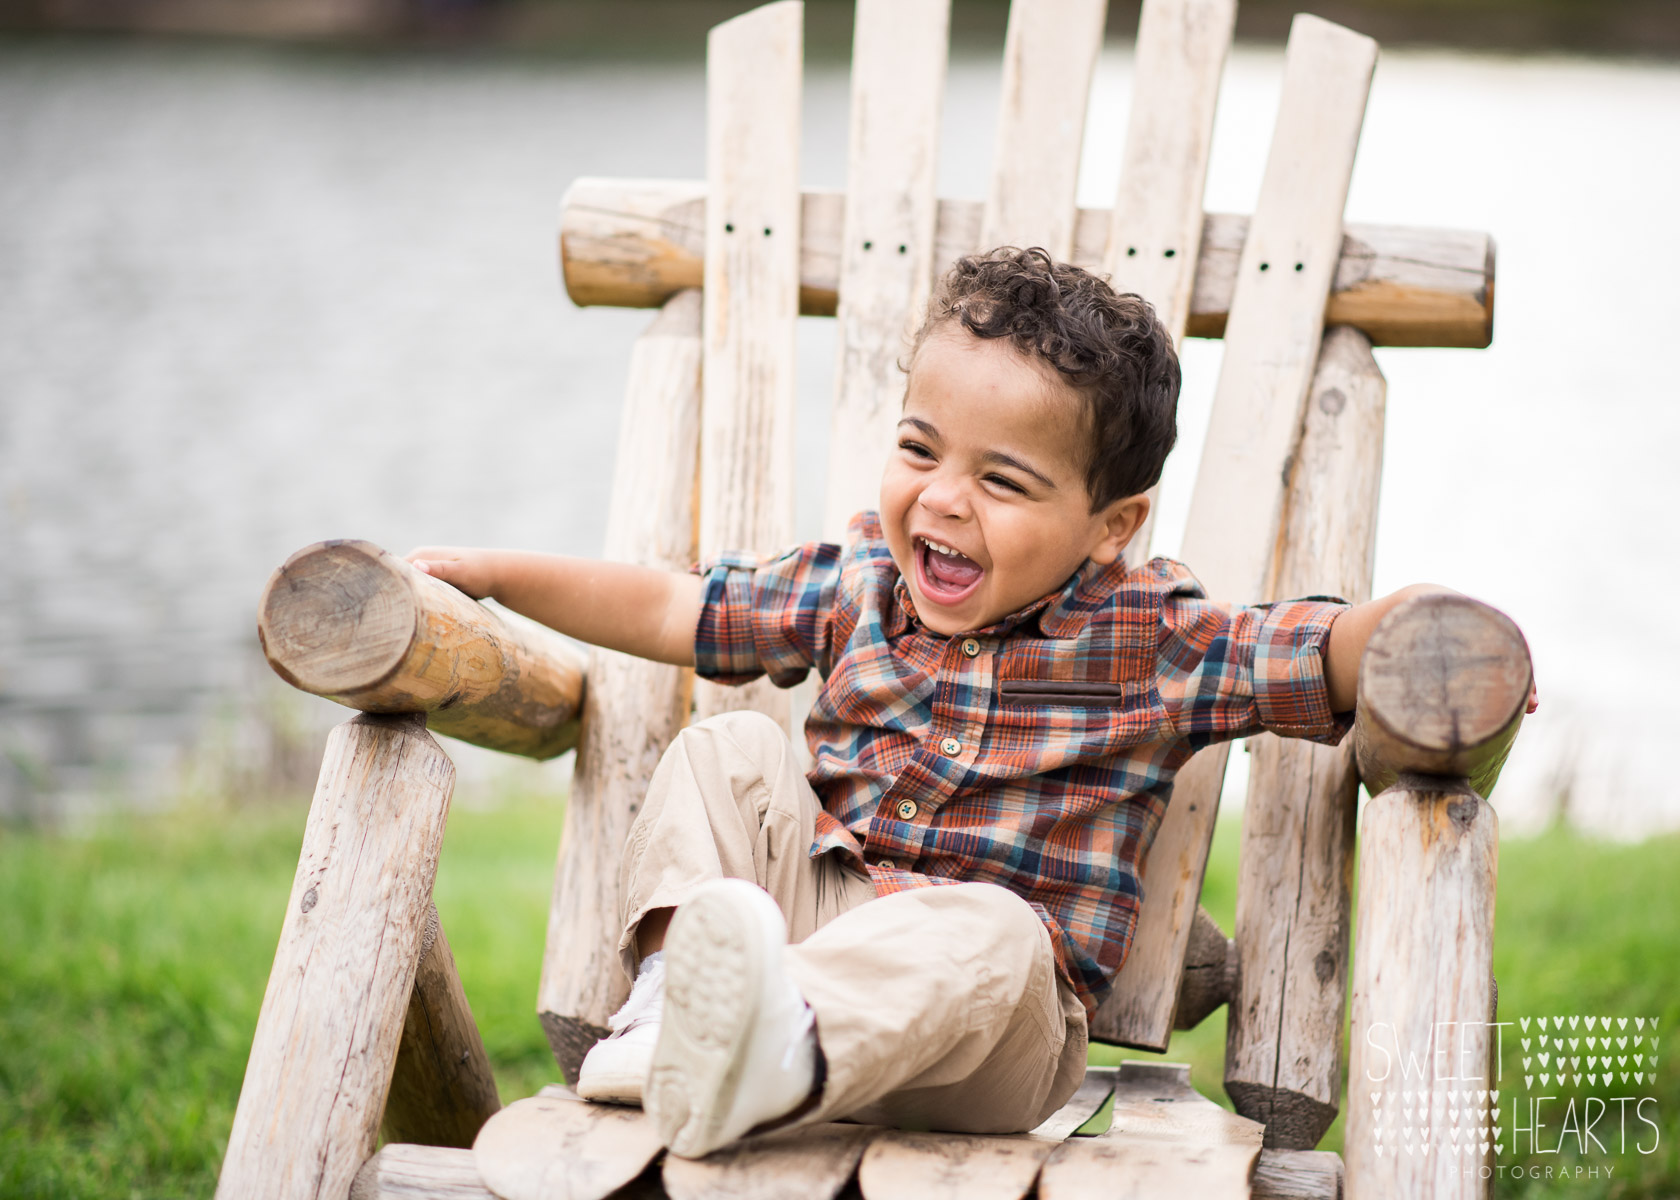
[(767, 616), (1230, 671)]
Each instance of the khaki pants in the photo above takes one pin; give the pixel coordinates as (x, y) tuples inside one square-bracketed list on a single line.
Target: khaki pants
[(936, 1008)]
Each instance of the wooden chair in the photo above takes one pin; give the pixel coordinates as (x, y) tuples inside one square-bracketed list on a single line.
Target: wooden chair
[(365, 1026)]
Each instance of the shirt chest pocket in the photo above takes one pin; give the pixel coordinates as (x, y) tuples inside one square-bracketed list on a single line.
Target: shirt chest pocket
[(1088, 697)]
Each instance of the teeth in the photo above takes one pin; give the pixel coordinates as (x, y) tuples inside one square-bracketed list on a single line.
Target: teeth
[(940, 548)]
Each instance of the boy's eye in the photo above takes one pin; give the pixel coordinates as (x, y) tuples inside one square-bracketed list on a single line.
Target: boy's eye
[(916, 448), (1007, 484)]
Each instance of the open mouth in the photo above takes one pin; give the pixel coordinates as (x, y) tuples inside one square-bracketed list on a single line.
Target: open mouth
[(946, 576)]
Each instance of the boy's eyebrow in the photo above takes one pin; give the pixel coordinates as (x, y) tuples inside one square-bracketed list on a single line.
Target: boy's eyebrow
[(1009, 460), (990, 456)]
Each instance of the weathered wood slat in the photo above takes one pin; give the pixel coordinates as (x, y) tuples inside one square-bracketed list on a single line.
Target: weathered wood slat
[(1152, 247), (1156, 229), (812, 1164), (351, 622), (633, 708), (544, 1148), (1422, 970), (1297, 1175), (407, 1172), (331, 1018), (900, 1165), (754, 71), (1283, 1045), (1276, 325), (1166, 1140), (1276, 329), (1093, 1092), (886, 249), (637, 242), (1049, 55), (442, 1090), (1443, 688)]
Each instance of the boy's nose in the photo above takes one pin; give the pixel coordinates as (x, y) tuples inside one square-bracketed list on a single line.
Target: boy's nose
[(945, 497)]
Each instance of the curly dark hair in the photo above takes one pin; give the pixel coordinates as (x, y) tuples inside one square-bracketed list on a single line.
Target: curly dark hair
[(1109, 346)]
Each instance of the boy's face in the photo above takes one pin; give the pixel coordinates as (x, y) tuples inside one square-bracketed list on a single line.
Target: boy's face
[(983, 501)]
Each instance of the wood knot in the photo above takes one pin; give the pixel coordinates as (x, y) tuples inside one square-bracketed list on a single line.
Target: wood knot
[(1324, 966), (1332, 401), (1463, 812), (309, 899)]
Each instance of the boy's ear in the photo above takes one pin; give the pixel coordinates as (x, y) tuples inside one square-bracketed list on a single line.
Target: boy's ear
[(1121, 521)]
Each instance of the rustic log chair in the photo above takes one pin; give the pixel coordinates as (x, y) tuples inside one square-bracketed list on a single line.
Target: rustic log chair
[(364, 1023)]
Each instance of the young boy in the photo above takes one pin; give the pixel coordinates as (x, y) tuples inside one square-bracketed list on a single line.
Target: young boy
[(929, 918)]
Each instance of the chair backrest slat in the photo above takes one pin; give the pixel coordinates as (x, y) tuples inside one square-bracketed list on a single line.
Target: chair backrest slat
[(754, 76), (887, 244), (632, 708), (1049, 57)]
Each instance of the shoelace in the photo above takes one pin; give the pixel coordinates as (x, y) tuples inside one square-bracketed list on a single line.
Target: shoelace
[(647, 995)]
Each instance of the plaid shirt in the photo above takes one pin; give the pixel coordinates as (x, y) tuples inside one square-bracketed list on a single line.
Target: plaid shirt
[(1037, 753)]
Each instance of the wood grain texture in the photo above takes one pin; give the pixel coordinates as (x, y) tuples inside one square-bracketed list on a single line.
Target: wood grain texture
[(1298, 1175), (637, 242), (813, 1163), (442, 1090), (901, 1165), (1443, 688), (327, 1034), (754, 73), (633, 708), (1422, 969), (1156, 228), (408, 1172), (1141, 1009), (1049, 55), (552, 1149), (1283, 1040), (1166, 1140), (886, 247), (356, 624), (1277, 310)]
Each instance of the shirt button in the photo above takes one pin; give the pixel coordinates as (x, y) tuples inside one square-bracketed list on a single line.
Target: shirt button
[(887, 864), (950, 747), (907, 810), (971, 647)]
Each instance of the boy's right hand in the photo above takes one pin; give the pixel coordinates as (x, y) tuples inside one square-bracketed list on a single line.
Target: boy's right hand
[(472, 570)]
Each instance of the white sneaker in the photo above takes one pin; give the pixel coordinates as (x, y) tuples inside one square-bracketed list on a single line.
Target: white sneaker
[(616, 1067), (737, 1047)]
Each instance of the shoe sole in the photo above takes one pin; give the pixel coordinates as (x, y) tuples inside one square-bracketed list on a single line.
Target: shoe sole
[(714, 971), (613, 1089)]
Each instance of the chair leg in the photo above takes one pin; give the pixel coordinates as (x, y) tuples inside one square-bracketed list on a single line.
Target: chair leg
[(326, 1039)]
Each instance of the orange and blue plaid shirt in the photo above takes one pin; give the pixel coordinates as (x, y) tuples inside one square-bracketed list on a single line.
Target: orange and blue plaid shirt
[(1038, 753)]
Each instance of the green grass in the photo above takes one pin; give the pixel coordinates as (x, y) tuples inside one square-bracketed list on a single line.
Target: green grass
[(133, 961)]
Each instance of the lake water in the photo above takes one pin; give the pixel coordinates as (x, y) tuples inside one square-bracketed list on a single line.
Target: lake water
[(252, 298)]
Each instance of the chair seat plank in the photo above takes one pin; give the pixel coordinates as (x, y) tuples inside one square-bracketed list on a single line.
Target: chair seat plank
[(1049, 56), (812, 1164), (886, 247), (632, 708), (754, 76), (1166, 1141), (903, 1165), (549, 1148)]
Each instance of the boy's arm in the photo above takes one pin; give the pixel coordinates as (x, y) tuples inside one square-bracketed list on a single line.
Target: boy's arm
[(1348, 635), (638, 610)]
